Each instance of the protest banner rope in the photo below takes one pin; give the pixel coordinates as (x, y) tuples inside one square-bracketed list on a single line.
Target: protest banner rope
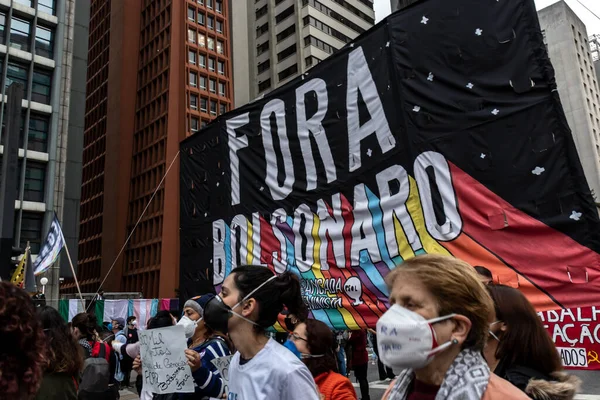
[(134, 227)]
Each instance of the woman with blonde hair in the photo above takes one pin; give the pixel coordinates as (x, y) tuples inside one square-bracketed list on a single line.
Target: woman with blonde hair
[(435, 331)]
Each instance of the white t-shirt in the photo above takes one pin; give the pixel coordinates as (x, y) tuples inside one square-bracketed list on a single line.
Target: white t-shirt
[(275, 373)]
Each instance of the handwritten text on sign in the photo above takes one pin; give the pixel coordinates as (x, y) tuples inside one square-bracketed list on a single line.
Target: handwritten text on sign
[(576, 333), (164, 365)]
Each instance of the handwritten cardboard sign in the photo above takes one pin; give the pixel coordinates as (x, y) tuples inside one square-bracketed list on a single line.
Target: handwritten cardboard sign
[(164, 365), (576, 333), (222, 364)]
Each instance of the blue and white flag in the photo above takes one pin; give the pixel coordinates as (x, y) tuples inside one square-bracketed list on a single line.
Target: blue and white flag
[(49, 252)]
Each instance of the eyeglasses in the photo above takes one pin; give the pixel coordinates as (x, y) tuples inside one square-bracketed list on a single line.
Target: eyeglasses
[(295, 336)]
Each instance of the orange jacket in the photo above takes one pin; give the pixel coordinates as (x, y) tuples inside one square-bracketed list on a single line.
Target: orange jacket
[(498, 389), (334, 386)]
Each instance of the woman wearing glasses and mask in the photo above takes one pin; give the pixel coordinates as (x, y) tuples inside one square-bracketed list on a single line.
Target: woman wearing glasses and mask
[(251, 298), (435, 331), (521, 351), (316, 345)]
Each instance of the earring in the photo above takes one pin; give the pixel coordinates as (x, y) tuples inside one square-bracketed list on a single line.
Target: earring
[(454, 341)]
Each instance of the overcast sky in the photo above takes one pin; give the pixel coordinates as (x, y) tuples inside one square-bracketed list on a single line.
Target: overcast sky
[(382, 10)]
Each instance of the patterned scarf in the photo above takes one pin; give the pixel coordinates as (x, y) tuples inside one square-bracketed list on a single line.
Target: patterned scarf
[(466, 379)]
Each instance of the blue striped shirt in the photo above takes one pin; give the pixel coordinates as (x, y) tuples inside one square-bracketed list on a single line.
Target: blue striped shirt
[(207, 379)]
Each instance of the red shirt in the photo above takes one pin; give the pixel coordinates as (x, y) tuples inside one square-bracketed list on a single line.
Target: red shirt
[(358, 341), (423, 391)]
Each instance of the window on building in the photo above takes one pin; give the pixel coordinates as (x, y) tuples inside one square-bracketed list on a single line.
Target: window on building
[(284, 14), (47, 6), (201, 40), (313, 41), (211, 22), (192, 56), (24, 2), (193, 101), (213, 107), (211, 64), (311, 60), (201, 2), (41, 86), (194, 125), (2, 28), (191, 14), (221, 89), (262, 86), (44, 42), (264, 28), (202, 82), (191, 35), (213, 86), (282, 55), (286, 73), (20, 32), (193, 79), (222, 109), (39, 127), (221, 67), (264, 66), (31, 230), (201, 18), (211, 43), (219, 6), (219, 26), (261, 48), (202, 60), (287, 32), (220, 47), (203, 123), (209, 4), (16, 73), (261, 11), (203, 104), (35, 180)]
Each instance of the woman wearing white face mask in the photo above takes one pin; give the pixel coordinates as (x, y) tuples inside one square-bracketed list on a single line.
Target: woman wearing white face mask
[(251, 298), (434, 332), (205, 344)]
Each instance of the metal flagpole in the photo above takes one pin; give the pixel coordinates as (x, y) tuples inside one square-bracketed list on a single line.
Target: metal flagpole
[(73, 270)]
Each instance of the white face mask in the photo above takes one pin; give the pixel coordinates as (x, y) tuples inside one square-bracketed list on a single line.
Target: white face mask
[(189, 326), (407, 340)]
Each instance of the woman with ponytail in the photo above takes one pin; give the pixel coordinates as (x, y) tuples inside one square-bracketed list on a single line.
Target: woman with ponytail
[(251, 298), (316, 345)]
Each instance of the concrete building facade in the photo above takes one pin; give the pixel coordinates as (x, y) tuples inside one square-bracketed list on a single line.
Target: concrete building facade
[(275, 40), (566, 38), (158, 71), (38, 49)]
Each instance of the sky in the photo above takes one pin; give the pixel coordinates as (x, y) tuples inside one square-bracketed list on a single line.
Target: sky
[(382, 10)]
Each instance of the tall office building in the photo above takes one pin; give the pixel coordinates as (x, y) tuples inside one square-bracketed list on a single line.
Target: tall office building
[(566, 38), (38, 49), (275, 40), (595, 49), (158, 71)]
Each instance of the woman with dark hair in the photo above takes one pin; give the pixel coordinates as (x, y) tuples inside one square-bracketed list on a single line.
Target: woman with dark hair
[(22, 347), (204, 345), (521, 351), (315, 344), (251, 298), (64, 358)]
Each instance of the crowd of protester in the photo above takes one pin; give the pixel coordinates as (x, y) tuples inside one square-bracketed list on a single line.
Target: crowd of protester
[(450, 333)]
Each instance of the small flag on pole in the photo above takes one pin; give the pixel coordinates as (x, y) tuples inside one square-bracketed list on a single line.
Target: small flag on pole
[(51, 248), (30, 285), (19, 274)]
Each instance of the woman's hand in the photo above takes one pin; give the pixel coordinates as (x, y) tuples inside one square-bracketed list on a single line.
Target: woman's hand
[(137, 365), (193, 358)]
